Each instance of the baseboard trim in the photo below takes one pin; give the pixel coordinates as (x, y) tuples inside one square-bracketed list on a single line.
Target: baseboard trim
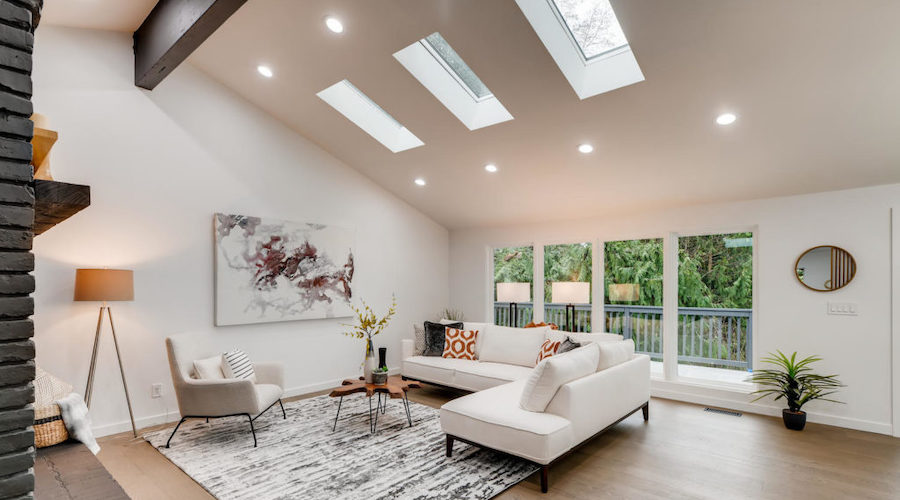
[(671, 391), (173, 416)]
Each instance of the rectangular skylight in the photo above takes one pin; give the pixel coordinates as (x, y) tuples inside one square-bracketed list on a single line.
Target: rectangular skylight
[(456, 65), (359, 109), (586, 41), (593, 25), (447, 76)]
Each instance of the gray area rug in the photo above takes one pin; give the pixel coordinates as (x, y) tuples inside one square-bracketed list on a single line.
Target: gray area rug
[(302, 458)]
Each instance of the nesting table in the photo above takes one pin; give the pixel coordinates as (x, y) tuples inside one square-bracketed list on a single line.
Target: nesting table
[(395, 388)]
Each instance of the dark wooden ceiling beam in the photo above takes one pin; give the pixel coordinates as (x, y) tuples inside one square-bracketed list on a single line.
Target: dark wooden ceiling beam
[(171, 32)]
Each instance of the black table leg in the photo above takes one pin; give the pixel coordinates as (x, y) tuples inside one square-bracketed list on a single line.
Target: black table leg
[(406, 406), (340, 401)]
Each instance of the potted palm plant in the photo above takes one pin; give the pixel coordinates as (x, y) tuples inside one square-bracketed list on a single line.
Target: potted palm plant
[(794, 381)]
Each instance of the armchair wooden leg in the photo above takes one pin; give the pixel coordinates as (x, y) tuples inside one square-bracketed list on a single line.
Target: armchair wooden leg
[(174, 431), (283, 414), (545, 478), (646, 411), (449, 445)]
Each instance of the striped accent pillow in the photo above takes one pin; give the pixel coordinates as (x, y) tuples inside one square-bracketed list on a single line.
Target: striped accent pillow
[(236, 364)]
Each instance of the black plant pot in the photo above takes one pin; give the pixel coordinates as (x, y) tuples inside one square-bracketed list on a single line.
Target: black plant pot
[(794, 420)]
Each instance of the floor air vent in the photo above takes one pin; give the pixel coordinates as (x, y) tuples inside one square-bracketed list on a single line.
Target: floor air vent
[(724, 412)]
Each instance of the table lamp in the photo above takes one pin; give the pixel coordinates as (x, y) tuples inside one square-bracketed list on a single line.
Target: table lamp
[(513, 293), (105, 285), (570, 293)]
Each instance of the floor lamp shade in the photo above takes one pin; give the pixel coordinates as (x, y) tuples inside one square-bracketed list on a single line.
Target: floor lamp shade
[(513, 292), (570, 292), (104, 285)]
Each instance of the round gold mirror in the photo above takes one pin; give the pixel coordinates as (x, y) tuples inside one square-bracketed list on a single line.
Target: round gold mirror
[(825, 268)]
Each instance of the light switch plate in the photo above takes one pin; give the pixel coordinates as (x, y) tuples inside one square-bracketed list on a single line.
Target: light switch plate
[(843, 308)]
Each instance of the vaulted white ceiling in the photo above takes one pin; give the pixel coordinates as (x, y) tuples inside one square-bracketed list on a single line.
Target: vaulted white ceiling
[(814, 84)]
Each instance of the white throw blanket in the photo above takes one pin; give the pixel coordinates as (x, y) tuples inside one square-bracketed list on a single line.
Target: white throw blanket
[(78, 422)]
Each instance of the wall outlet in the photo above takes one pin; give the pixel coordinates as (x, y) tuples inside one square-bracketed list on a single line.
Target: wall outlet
[(843, 308), (156, 391)]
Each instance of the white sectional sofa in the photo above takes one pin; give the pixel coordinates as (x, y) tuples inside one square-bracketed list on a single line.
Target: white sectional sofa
[(492, 416)]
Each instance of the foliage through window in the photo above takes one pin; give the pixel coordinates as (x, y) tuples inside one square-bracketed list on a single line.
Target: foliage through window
[(513, 265), (633, 292), (715, 300), (567, 263)]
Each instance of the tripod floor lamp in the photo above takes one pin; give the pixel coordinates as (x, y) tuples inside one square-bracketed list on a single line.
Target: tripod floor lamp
[(570, 293), (105, 285)]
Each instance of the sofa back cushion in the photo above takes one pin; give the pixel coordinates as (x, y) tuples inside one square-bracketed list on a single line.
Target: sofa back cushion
[(514, 346), (614, 353), (480, 328), (550, 374)]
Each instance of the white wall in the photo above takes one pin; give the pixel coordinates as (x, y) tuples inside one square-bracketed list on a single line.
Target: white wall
[(790, 317), (159, 165)]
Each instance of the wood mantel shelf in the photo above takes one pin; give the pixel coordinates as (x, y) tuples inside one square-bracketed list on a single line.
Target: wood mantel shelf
[(55, 202)]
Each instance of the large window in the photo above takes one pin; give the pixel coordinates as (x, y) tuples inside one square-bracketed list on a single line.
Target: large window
[(715, 305), (633, 290), (512, 290), (567, 286)]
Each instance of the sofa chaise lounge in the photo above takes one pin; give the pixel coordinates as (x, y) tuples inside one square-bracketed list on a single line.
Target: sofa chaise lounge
[(493, 417)]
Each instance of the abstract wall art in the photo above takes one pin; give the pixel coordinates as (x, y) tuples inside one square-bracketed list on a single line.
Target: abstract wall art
[(272, 270)]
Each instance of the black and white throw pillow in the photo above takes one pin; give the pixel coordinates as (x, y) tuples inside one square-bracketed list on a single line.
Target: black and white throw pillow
[(434, 337), (236, 364)]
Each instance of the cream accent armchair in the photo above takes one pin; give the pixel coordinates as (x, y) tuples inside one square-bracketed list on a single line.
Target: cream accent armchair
[(199, 398)]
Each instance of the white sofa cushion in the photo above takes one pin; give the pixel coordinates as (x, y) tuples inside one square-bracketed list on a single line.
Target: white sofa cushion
[(515, 346), (614, 353), (494, 419), (435, 369), (481, 375), (555, 371), (480, 328)]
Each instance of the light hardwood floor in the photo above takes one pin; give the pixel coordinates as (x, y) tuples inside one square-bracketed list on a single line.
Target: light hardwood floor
[(682, 452)]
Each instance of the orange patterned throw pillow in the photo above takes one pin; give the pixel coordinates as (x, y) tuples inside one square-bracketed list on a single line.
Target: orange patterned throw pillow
[(459, 344), (548, 349)]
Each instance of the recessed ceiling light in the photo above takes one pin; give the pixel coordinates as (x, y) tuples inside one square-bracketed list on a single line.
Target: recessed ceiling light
[(490, 167), (726, 119), (585, 148), (419, 181), (334, 24), (265, 71)]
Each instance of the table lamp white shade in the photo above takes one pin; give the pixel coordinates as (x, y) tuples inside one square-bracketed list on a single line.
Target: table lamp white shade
[(513, 292), (570, 292)]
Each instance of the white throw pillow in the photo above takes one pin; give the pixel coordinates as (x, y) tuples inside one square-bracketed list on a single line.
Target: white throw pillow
[(236, 364), (614, 353), (550, 374), (513, 346), (209, 368)]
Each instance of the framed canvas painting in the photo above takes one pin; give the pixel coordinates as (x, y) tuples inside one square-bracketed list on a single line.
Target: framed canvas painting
[(273, 270)]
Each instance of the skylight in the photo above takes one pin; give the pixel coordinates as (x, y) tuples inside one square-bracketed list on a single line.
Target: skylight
[(586, 41), (593, 25), (367, 115), (447, 76), (456, 65)]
